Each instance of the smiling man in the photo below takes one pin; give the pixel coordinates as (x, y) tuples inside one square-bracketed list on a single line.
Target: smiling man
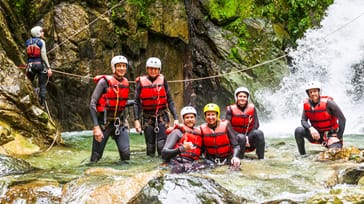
[(322, 120), (219, 138), (184, 142), (108, 102), (244, 119), (153, 101)]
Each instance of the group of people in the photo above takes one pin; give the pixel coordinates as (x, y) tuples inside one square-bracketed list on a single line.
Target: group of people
[(218, 141), (221, 141)]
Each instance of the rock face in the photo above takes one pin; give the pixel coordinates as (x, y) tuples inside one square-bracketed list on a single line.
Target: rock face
[(24, 127), (189, 37)]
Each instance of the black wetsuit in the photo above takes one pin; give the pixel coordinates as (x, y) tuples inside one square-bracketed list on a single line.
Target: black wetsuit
[(255, 136), (154, 139), (304, 132), (108, 129)]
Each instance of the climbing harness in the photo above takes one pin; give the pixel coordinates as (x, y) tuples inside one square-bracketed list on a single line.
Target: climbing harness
[(220, 162), (156, 126)]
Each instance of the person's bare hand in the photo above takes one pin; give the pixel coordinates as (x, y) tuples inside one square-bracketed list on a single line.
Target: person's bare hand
[(137, 126), (235, 162), (188, 145), (98, 133), (314, 133)]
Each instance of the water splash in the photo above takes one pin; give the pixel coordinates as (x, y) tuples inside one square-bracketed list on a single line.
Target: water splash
[(332, 54)]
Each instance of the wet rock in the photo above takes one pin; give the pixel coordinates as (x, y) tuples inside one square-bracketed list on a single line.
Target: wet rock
[(33, 192), (352, 175), (9, 165), (105, 185), (344, 154), (338, 196), (185, 189)]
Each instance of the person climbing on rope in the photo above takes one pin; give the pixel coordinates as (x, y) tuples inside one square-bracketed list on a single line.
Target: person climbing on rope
[(219, 138), (107, 109), (37, 62), (244, 119), (183, 146), (153, 98), (322, 120)]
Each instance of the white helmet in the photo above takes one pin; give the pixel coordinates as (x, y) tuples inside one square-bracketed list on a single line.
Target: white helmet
[(241, 89), (154, 62), (188, 109), (313, 85), (118, 59), (35, 31)]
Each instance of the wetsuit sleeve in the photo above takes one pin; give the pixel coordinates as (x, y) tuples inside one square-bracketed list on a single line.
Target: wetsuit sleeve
[(169, 151), (228, 114), (98, 91), (304, 121), (171, 106), (43, 52), (137, 102), (333, 109), (232, 137)]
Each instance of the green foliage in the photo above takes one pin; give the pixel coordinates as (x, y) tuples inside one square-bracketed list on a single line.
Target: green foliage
[(21, 7), (224, 10), (296, 15)]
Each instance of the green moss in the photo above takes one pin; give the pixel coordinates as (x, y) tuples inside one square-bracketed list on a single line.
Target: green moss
[(222, 10)]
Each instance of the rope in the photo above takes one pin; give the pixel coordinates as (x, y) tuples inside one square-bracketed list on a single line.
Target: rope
[(86, 26), (209, 77)]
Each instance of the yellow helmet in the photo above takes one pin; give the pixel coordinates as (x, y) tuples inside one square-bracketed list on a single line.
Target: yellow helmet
[(212, 107)]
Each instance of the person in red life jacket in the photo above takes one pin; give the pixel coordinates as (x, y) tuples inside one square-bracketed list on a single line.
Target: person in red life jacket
[(153, 99), (184, 141), (244, 120), (219, 138), (108, 102), (37, 61), (322, 120)]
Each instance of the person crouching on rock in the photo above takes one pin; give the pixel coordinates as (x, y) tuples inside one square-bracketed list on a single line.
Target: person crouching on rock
[(322, 120)]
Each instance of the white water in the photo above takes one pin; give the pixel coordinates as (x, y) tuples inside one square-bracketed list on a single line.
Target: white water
[(326, 54)]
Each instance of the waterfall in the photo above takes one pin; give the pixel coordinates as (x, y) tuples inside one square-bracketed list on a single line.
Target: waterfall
[(332, 54)]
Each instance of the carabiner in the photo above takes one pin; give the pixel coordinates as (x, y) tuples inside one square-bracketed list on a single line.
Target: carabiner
[(156, 127), (117, 123), (156, 130)]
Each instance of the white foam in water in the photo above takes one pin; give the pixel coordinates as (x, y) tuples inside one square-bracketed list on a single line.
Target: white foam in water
[(326, 54)]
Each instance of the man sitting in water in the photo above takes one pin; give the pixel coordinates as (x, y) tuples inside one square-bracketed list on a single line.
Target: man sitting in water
[(183, 145)]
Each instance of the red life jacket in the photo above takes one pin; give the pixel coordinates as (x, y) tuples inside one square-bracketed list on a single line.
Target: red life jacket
[(33, 50), (216, 141), (153, 95), (242, 121), (318, 115), (190, 135), (116, 95)]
